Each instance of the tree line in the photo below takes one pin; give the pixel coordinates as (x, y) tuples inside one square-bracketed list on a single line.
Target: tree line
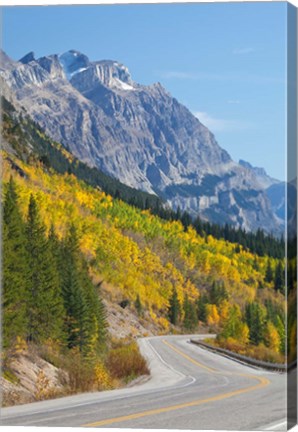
[(47, 290), (256, 324), (258, 242)]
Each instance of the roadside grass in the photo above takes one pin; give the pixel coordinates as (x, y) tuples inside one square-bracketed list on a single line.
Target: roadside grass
[(257, 352), (126, 362)]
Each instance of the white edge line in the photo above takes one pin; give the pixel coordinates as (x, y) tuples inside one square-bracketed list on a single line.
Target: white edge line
[(165, 363)]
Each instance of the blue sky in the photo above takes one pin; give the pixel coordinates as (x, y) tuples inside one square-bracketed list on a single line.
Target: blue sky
[(225, 62)]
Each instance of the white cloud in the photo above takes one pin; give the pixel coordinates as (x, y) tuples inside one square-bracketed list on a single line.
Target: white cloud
[(240, 51), (219, 124)]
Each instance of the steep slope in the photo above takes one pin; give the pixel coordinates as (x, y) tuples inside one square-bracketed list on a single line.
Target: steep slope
[(139, 134), (23, 138)]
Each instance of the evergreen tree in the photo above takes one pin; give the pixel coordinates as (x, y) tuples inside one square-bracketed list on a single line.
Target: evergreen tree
[(198, 226), (95, 323), (56, 250), (178, 214), (44, 304), (279, 279), (234, 326), (201, 307), (256, 264), (15, 269), (269, 272), (218, 293), (237, 248), (55, 245), (291, 275), (271, 310), (85, 314), (255, 317), (174, 308), (281, 328), (101, 316), (75, 303), (186, 220), (190, 320), (138, 305)]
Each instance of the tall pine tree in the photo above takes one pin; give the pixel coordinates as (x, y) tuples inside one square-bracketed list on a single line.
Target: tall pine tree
[(15, 269), (201, 307), (96, 324), (174, 308), (218, 293), (138, 305), (269, 272), (190, 320), (255, 317), (44, 304), (75, 303), (279, 278), (85, 313)]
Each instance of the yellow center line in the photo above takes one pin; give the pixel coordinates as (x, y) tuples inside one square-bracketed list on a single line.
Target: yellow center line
[(190, 359), (263, 382)]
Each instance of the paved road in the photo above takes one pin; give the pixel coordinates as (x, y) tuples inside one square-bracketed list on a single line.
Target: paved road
[(190, 388)]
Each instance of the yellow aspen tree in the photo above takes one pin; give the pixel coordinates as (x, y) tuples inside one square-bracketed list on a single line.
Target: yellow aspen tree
[(272, 338), (243, 333), (213, 317), (224, 310)]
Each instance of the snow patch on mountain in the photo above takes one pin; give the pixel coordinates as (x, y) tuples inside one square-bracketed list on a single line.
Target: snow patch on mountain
[(117, 83)]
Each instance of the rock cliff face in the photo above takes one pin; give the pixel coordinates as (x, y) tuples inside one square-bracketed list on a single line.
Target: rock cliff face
[(138, 134)]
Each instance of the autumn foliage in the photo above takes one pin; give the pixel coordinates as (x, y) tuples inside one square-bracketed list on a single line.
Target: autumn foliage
[(147, 258)]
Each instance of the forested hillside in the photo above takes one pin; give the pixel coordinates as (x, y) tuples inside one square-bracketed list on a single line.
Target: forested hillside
[(149, 260), (63, 236)]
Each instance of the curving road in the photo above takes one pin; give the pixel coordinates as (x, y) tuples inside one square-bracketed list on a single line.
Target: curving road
[(190, 388)]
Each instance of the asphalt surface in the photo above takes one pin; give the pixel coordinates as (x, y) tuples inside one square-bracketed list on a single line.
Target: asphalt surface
[(189, 388)]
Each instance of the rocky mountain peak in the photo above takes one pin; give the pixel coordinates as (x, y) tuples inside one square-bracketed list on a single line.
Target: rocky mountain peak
[(109, 73), (248, 165), (52, 65), (28, 58), (6, 63), (263, 178), (114, 74)]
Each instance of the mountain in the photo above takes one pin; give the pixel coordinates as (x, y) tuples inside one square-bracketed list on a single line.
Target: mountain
[(263, 178), (139, 134), (276, 191), (24, 139), (285, 209)]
